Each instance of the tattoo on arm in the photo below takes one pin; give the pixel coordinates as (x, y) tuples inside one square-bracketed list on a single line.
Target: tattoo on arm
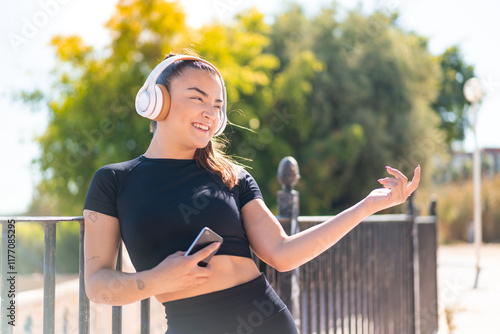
[(111, 299), (92, 259), (93, 216), (140, 284)]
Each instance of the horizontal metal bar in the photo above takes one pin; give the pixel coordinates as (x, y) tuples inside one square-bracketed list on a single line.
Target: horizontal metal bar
[(425, 219), (47, 219), (301, 219), (371, 219)]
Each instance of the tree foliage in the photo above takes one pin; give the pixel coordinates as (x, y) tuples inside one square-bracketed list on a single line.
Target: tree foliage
[(345, 97), (92, 112), (451, 104), (367, 107)]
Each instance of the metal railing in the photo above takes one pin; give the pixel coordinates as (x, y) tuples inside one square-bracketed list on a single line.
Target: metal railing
[(379, 278), (365, 288), (427, 258), (49, 270), (365, 283), (49, 279)]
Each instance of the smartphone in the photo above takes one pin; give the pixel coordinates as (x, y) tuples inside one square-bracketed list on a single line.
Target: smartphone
[(204, 238)]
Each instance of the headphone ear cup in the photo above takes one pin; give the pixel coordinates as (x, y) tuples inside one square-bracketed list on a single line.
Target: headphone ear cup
[(165, 107)]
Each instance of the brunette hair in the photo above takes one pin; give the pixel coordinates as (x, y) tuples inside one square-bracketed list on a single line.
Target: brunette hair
[(212, 156)]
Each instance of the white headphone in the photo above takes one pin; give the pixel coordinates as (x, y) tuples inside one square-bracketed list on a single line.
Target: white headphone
[(153, 100)]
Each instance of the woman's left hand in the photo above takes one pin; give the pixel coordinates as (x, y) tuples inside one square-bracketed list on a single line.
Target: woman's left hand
[(396, 189)]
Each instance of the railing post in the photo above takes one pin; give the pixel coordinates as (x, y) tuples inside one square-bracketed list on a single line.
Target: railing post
[(145, 317), (49, 278), (116, 311), (427, 232), (410, 210), (433, 206), (433, 212), (84, 304), (288, 207), (5, 285)]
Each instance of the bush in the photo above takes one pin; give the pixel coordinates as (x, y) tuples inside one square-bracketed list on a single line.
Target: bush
[(455, 209)]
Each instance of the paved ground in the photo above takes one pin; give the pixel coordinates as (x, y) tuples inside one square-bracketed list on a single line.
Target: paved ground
[(463, 308)]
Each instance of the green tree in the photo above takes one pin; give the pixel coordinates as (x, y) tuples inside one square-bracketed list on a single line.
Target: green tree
[(344, 97), (451, 104), (369, 106), (92, 122)]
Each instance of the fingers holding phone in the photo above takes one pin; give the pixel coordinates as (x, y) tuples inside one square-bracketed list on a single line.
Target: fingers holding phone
[(179, 272), (205, 238), (203, 256), (184, 270)]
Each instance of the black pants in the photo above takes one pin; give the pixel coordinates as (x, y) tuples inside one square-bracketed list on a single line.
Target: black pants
[(250, 308)]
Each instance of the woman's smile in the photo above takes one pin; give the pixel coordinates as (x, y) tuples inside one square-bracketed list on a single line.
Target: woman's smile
[(201, 127)]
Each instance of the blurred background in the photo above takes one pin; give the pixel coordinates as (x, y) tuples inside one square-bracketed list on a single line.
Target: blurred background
[(346, 87)]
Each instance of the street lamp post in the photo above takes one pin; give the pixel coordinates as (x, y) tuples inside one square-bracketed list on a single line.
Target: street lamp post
[(474, 93)]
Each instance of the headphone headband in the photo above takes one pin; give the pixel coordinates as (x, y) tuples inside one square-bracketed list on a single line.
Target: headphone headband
[(149, 101)]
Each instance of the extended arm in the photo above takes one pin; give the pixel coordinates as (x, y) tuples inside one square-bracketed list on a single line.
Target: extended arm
[(270, 242), (104, 284)]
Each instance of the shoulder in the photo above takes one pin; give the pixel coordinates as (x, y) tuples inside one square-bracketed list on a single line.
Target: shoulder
[(123, 166), (247, 188), (112, 175), (119, 168), (105, 186), (244, 176)]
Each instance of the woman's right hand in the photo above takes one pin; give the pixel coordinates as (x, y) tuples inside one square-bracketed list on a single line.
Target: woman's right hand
[(178, 272)]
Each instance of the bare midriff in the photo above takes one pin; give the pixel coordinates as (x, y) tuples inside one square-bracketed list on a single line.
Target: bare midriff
[(227, 272)]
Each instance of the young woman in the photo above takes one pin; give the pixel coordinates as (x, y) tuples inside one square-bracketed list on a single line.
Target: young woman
[(159, 202)]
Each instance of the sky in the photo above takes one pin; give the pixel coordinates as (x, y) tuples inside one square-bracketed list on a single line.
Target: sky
[(27, 26)]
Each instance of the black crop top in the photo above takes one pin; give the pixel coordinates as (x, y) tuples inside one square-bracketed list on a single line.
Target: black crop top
[(162, 204)]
